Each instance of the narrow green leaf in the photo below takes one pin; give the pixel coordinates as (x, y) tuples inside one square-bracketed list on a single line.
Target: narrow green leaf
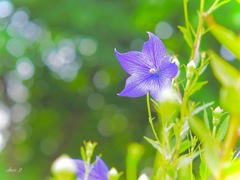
[(184, 172), (155, 144), (224, 36), (212, 154), (204, 68), (210, 146), (184, 146), (200, 108), (204, 170), (186, 35), (199, 129), (83, 154), (222, 130), (220, 4), (206, 119), (226, 74), (197, 87)]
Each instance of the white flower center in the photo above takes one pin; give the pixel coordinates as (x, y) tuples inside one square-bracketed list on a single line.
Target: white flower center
[(153, 70)]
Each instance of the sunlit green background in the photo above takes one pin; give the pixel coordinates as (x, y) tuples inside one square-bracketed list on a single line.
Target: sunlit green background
[(59, 77)]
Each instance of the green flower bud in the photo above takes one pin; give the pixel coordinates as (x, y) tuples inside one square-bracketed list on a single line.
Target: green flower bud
[(191, 67), (113, 174), (89, 149), (217, 113)]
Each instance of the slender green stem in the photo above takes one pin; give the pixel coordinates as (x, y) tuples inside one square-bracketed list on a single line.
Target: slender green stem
[(186, 14), (212, 7), (214, 131), (150, 117), (87, 170), (196, 45), (191, 157)]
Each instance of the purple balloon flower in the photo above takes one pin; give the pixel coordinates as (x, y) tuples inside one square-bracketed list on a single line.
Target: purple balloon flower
[(98, 171), (150, 71)]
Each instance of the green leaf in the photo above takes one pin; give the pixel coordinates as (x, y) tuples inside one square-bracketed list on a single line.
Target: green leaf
[(222, 130), (186, 35), (211, 146), (230, 99), (83, 154), (220, 4), (212, 154), (183, 166), (184, 146), (206, 119), (226, 74), (203, 68), (224, 36), (200, 108), (155, 144), (204, 170), (197, 87), (199, 129)]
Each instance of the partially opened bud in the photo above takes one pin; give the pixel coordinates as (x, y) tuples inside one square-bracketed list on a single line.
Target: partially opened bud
[(217, 113), (64, 168), (191, 67), (143, 177), (113, 174), (176, 61)]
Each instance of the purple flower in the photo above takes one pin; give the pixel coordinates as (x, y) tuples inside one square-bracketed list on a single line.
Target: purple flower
[(150, 70), (98, 171)]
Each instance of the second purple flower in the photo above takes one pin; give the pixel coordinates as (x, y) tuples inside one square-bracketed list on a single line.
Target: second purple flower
[(151, 70)]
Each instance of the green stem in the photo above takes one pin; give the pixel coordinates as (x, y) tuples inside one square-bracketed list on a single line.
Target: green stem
[(196, 45), (212, 7), (186, 14), (150, 117), (214, 130), (87, 170)]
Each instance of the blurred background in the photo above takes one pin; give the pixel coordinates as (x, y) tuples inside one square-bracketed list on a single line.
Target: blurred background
[(59, 77)]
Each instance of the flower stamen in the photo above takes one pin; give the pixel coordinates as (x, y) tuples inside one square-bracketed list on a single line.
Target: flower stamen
[(153, 71)]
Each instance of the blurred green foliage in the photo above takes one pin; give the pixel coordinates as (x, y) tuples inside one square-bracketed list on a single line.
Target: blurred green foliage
[(71, 95)]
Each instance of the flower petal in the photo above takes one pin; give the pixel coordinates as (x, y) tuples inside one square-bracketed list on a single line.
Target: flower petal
[(99, 170), (164, 80), (136, 86), (160, 83), (154, 50), (80, 168), (132, 61), (170, 70)]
